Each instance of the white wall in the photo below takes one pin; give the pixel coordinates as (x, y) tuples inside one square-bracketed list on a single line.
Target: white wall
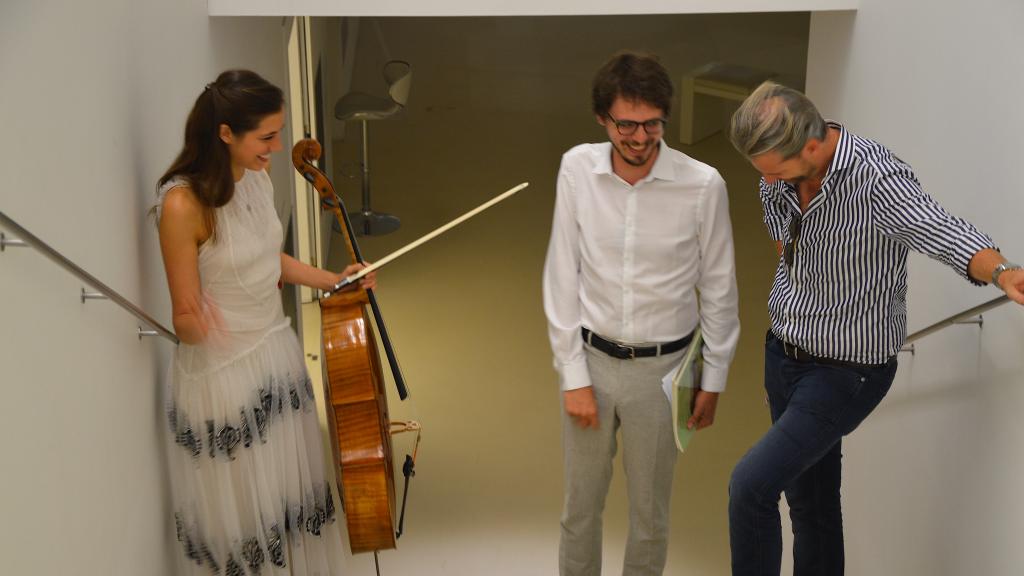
[(514, 7), (932, 479), (94, 100)]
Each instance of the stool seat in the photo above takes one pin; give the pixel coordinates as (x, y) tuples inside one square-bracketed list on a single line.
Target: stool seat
[(363, 106)]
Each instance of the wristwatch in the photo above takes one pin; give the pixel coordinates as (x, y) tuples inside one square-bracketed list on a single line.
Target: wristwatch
[(1003, 268)]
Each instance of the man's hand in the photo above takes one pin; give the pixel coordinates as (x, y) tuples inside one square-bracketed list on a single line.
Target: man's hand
[(1012, 282), (704, 404), (581, 406)]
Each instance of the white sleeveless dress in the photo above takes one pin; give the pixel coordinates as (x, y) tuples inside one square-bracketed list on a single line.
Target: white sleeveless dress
[(250, 491)]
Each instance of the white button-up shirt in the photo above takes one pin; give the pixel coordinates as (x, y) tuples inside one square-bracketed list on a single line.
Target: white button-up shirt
[(627, 262)]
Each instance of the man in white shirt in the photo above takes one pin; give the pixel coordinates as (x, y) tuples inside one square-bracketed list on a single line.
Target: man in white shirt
[(639, 229)]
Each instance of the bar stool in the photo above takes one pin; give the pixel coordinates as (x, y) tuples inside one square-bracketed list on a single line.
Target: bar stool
[(364, 108)]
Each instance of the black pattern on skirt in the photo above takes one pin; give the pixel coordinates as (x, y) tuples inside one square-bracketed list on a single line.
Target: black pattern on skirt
[(224, 439), (253, 552)]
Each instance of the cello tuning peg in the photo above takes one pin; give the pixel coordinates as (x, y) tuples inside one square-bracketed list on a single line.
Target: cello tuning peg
[(328, 203)]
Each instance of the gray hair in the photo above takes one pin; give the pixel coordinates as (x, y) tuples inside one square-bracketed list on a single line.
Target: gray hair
[(775, 118)]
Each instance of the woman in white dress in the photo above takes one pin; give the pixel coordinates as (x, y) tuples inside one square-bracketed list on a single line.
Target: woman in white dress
[(250, 491)]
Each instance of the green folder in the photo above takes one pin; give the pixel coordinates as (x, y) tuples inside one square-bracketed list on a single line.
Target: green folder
[(684, 388)]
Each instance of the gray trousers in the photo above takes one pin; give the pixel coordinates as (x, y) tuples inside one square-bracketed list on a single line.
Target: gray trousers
[(629, 398)]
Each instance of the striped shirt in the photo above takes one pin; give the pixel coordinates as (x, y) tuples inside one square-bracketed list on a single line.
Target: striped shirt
[(844, 297)]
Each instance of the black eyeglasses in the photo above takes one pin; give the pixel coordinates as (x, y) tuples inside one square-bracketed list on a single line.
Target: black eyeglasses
[(789, 251), (626, 127)]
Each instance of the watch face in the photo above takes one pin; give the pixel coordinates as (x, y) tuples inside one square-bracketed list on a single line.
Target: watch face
[(995, 273), (1003, 268)]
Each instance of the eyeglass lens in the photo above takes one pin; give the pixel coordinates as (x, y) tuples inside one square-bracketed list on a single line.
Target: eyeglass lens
[(627, 127)]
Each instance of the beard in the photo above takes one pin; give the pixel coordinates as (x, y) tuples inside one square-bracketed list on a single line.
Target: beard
[(636, 157)]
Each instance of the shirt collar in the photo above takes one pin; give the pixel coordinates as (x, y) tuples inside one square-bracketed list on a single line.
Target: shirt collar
[(844, 151), (841, 160), (662, 168)]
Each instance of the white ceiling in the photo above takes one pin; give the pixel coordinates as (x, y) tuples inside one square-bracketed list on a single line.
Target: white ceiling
[(512, 7)]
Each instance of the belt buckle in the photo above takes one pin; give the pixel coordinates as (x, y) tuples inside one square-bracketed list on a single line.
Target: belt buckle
[(628, 352)]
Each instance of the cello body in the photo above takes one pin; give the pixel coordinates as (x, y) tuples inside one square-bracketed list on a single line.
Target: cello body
[(357, 412)]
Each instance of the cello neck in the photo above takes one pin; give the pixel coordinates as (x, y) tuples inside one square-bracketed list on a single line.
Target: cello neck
[(303, 155)]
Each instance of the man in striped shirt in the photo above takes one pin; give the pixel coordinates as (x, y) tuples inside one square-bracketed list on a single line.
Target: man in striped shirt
[(844, 212)]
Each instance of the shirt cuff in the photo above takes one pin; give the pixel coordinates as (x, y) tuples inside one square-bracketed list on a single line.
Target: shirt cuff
[(713, 378), (967, 250), (574, 376)]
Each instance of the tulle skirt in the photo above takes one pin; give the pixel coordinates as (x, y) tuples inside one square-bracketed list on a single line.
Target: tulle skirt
[(251, 495)]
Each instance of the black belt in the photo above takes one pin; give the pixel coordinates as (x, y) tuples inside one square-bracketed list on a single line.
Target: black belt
[(794, 352), (624, 352)]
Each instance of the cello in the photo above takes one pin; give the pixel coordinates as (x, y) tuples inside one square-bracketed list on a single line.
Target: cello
[(356, 402)]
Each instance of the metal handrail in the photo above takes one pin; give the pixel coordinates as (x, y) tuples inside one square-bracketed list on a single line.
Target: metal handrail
[(27, 237), (962, 318)]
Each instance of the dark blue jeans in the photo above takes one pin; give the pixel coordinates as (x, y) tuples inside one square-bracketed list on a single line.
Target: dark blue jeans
[(812, 407)]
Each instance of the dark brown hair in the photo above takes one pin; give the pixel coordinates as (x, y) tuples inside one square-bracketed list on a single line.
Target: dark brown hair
[(632, 76), (238, 98)]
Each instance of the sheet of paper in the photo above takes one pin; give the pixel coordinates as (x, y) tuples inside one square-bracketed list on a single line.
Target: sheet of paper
[(667, 380)]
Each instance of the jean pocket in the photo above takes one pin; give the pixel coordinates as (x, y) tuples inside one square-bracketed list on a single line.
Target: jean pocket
[(867, 386), (877, 377), (830, 392)]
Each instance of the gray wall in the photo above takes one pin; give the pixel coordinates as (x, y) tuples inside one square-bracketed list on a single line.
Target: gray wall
[(932, 479), (94, 102)]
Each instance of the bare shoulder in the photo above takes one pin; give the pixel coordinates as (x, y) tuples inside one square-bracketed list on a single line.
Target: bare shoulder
[(182, 214), (181, 201)]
